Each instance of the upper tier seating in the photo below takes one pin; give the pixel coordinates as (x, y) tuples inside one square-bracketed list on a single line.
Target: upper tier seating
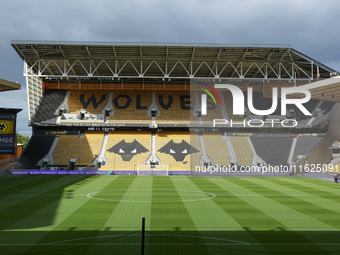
[(49, 105), (93, 101), (216, 148), (261, 103), (213, 111), (174, 107), (131, 107), (300, 117), (84, 150), (176, 149), (228, 99), (125, 150)]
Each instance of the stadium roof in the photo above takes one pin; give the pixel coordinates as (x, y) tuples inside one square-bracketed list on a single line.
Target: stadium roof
[(328, 89), (8, 85), (164, 61)]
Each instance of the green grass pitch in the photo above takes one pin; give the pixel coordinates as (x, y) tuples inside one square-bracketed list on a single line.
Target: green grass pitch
[(52, 214)]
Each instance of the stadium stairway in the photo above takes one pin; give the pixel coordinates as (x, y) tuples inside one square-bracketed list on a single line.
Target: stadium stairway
[(101, 158), (291, 152)]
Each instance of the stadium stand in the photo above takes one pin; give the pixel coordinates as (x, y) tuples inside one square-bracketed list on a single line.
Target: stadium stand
[(242, 149), (93, 101), (216, 148), (299, 116), (304, 144), (83, 149), (47, 111), (261, 103), (213, 111), (125, 150), (174, 107), (325, 109), (273, 150), (195, 157), (175, 149), (131, 79), (37, 148), (228, 99), (131, 107)]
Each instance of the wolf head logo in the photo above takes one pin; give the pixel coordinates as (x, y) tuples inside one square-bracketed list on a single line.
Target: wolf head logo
[(128, 150), (178, 150)]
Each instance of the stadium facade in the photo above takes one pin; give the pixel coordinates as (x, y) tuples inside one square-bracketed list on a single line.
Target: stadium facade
[(137, 107)]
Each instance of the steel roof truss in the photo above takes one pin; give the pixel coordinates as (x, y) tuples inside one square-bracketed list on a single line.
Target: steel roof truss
[(201, 66), (154, 61)]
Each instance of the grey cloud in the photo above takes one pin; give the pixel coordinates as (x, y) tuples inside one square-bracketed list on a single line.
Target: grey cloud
[(310, 26)]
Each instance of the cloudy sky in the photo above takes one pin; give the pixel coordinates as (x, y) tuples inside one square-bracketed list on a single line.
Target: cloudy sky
[(310, 26)]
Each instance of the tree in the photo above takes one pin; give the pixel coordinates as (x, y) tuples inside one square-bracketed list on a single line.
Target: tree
[(23, 139)]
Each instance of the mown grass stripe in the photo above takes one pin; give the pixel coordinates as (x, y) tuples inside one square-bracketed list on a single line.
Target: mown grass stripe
[(327, 214), (127, 216), (59, 210), (16, 184), (16, 212), (171, 218), (36, 188), (320, 186), (34, 212), (294, 202), (327, 200), (212, 218), (87, 220), (257, 228), (291, 221)]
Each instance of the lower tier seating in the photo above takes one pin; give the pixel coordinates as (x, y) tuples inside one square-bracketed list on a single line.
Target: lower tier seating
[(37, 148), (84, 150), (242, 149), (176, 149), (273, 150), (216, 148), (125, 150)]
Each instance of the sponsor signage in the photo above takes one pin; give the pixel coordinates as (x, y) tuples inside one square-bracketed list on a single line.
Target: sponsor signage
[(7, 130)]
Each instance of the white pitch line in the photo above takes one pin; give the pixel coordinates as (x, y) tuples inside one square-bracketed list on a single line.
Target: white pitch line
[(238, 177), (208, 194), (203, 244), (98, 237)]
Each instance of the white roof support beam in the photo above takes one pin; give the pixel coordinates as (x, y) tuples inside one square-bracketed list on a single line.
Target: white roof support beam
[(166, 69)]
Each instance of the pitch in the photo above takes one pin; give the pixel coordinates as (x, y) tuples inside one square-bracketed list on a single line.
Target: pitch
[(52, 214)]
